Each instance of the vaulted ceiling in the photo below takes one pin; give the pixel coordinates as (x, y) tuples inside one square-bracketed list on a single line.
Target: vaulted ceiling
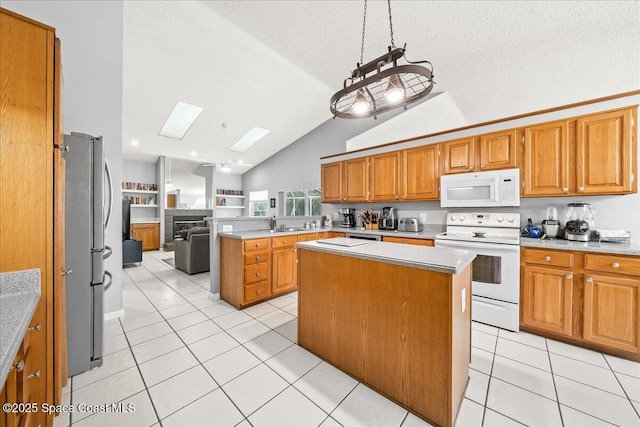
[(275, 64)]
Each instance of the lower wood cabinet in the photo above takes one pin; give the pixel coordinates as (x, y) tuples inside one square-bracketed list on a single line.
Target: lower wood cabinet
[(408, 240), (255, 270), (587, 299), (148, 233)]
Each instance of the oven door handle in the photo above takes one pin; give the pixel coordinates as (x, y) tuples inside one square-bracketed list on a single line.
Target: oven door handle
[(464, 245)]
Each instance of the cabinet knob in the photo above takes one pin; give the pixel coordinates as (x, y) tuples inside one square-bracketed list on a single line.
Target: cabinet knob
[(470, 168), (565, 189), (482, 166), (568, 276), (589, 279), (67, 272), (580, 188), (258, 292), (36, 374), (258, 258), (257, 244), (257, 274), (37, 327), (615, 265), (284, 241), (547, 258), (18, 366)]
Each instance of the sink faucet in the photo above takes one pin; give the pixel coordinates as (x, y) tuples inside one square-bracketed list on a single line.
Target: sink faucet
[(273, 223)]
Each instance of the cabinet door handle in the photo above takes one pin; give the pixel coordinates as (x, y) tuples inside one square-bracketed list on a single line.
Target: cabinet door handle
[(36, 374), (568, 276), (580, 189), (615, 265), (547, 258), (34, 328), (589, 279), (565, 189), (18, 366)]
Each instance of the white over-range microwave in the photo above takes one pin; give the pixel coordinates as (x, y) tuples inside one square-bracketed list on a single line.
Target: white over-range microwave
[(481, 189)]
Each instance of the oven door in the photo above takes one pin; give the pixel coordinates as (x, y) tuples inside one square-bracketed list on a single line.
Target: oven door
[(495, 271)]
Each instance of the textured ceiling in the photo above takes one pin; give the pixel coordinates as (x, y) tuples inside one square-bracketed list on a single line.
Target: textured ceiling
[(274, 64)]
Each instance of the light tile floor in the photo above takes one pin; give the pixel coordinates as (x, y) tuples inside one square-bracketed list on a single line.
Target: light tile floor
[(182, 359)]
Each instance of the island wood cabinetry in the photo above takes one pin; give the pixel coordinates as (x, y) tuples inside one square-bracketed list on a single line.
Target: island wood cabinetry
[(408, 240), (593, 154), (254, 270), (32, 187), (587, 299), (402, 331), (148, 233)]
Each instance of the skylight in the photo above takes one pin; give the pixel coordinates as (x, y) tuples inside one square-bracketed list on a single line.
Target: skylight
[(250, 138), (180, 120)]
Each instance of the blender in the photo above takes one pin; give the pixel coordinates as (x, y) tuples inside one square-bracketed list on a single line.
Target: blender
[(551, 225), (580, 216)]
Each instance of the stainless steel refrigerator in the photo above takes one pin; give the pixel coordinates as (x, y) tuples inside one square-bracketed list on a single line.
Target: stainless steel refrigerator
[(88, 200)]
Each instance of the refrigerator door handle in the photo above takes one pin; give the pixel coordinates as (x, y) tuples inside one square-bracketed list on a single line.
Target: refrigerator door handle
[(107, 252), (107, 285), (97, 294), (110, 182)]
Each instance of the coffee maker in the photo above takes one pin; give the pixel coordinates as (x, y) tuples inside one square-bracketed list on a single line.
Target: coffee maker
[(551, 225), (348, 217), (388, 219)]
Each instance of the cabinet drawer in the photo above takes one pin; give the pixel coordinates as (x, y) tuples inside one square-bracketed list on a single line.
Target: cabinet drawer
[(284, 241), (140, 226), (256, 257), (421, 242), (256, 272), (256, 245), (256, 292), (545, 257), (307, 237), (612, 264)]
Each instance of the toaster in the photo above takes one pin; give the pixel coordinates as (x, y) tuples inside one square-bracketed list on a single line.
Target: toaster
[(410, 224)]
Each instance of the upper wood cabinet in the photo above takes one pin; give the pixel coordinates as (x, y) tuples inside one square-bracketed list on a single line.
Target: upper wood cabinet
[(331, 182), (546, 165), (384, 177), (606, 152), (421, 173), (498, 150), (355, 177), (491, 151), (593, 154), (459, 155)]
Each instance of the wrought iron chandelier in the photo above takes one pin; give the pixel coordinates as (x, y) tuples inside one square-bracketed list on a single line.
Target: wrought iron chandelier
[(382, 85)]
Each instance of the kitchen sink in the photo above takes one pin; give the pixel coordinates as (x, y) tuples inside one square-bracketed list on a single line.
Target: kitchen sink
[(282, 230)]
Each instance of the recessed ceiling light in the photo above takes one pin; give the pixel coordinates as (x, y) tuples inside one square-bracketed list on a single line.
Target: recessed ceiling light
[(250, 138), (193, 153), (135, 142), (180, 120), (225, 168)]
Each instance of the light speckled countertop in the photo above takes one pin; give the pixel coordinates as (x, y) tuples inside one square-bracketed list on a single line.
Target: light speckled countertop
[(566, 245), (442, 260), (260, 234), (19, 296)]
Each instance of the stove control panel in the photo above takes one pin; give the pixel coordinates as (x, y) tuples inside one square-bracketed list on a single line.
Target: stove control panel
[(509, 220)]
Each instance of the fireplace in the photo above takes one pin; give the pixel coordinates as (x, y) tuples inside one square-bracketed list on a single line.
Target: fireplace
[(182, 223)]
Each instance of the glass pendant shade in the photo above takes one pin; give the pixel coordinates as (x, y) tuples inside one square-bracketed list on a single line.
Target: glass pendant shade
[(361, 105), (395, 91)]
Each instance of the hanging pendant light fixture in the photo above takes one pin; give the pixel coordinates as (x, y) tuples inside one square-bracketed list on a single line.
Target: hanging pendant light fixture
[(382, 85)]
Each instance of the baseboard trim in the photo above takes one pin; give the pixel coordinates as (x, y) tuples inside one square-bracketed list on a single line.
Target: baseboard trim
[(113, 314)]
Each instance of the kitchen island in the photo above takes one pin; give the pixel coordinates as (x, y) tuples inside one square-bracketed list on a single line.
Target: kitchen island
[(396, 317)]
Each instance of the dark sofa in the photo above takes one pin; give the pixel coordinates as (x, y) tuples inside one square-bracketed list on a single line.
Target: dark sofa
[(192, 253)]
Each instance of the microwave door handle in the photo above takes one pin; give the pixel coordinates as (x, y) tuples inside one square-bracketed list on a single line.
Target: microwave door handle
[(110, 182)]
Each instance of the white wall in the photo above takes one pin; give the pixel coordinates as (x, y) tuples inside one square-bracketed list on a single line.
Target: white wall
[(91, 39)]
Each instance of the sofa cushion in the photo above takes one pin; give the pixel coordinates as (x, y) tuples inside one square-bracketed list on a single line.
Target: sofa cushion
[(197, 230)]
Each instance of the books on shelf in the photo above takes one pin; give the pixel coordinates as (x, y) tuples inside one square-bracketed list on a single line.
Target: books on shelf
[(139, 186), (139, 200), (221, 192)]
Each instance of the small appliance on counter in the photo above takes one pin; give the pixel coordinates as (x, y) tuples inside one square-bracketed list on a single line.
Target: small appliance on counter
[(581, 217), (389, 219), (349, 217), (531, 230), (410, 224), (551, 225)]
